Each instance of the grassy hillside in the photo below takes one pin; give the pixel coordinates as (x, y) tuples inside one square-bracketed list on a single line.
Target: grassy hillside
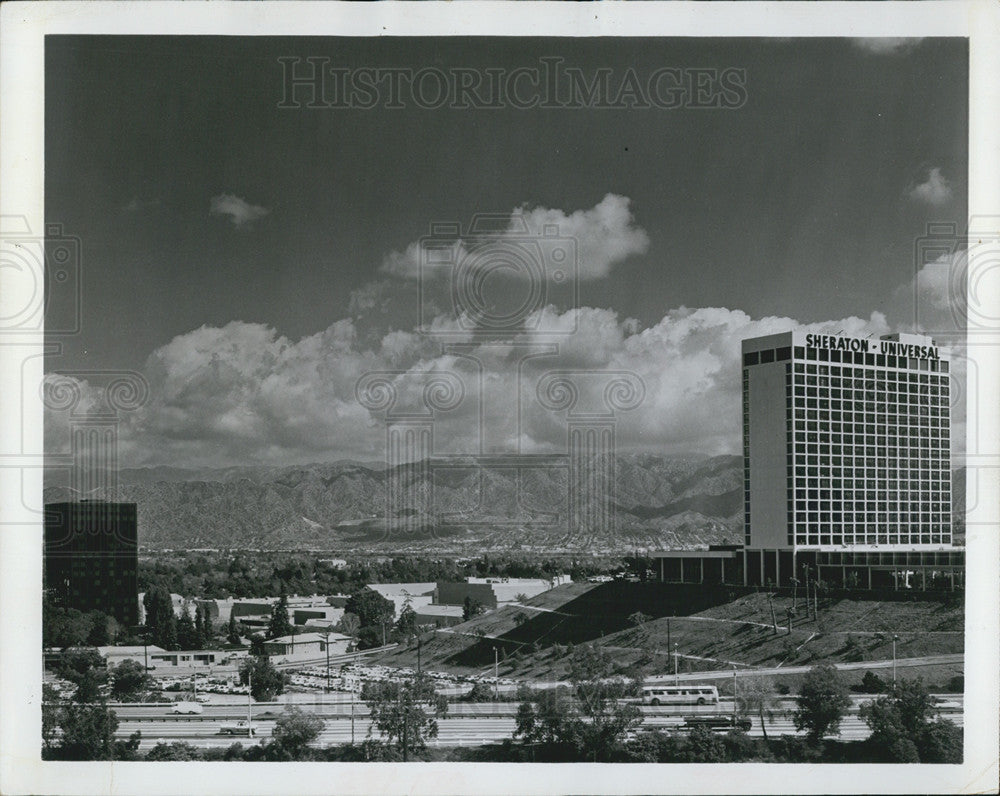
[(710, 633)]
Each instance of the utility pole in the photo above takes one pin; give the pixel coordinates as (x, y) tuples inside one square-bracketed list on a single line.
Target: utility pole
[(327, 645), (668, 632), (496, 675), (353, 685)]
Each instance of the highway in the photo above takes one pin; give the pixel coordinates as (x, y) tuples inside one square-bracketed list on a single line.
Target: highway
[(901, 663), (466, 724)]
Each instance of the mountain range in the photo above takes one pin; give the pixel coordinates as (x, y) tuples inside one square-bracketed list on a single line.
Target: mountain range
[(658, 502)]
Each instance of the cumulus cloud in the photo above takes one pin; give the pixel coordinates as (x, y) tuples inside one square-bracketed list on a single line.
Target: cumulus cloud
[(239, 211), (885, 45), (935, 190), (243, 392), (602, 236)]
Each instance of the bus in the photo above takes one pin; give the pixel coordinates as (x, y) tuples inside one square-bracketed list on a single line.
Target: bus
[(680, 695)]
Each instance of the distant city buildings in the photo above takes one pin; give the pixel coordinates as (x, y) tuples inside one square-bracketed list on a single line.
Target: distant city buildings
[(847, 466), (91, 557)]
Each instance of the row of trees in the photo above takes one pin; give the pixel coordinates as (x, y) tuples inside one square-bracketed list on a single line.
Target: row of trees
[(248, 574), (171, 632)]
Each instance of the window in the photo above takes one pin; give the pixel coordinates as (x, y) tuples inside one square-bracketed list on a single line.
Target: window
[(766, 356), (751, 359)]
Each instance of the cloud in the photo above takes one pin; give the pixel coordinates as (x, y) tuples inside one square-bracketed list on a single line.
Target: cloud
[(885, 45), (243, 392), (240, 211), (934, 191), (602, 237)]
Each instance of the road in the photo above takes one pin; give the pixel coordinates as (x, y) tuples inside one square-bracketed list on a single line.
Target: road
[(466, 723), (901, 663)]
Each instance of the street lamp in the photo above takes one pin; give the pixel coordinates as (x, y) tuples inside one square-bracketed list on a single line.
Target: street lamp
[(895, 638)]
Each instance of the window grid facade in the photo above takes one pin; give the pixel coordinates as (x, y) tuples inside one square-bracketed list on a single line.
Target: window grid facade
[(868, 448)]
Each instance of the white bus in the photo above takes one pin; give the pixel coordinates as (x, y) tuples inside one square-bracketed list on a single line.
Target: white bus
[(680, 695)]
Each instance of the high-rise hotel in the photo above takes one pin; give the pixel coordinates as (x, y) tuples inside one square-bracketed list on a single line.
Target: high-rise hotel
[(846, 465)]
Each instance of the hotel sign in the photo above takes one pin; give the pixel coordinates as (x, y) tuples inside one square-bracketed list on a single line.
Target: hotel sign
[(890, 347)]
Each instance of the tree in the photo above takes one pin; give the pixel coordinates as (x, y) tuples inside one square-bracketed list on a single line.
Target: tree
[(704, 746), (371, 608), (98, 635), (294, 731), (823, 701), (349, 624), (187, 635), (406, 625), (902, 729), (88, 733), (471, 608), (129, 681), (595, 726), (160, 618), (86, 669), (265, 681), (941, 742), (176, 751), (63, 627), (199, 627), (233, 634), (405, 712), (757, 696), (280, 624)]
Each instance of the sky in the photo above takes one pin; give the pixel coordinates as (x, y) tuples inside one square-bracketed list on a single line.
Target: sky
[(253, 262)]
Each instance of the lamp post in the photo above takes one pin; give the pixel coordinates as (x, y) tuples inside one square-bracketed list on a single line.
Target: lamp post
[(496, 675), (676, 678), (734, 697), (895, 638), (327, 645)]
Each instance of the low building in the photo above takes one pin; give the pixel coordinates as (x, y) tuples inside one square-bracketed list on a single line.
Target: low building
[(324, 613), (115, 655), (190, 658), (456, 593), (400, 595), (307, 645), (439, 615)]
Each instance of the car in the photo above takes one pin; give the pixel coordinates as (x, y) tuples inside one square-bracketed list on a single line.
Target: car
[(237, 728), (717, 723), (186, 708)]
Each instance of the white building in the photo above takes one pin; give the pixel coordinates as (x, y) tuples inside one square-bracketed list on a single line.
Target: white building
[(847, 465)]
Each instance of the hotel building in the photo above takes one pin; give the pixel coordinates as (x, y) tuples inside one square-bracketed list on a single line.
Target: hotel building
[(91, 557), (846, 463)]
